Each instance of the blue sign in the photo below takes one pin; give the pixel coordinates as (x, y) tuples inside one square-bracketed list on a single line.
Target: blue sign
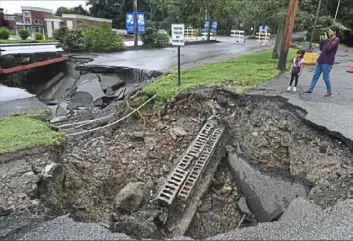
[(130, 22), (206, 25), (266, 28), (263, 28), (260, 28)]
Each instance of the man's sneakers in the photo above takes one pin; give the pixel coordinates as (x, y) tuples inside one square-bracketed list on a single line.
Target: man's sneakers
[(307, 92), (290, 87)]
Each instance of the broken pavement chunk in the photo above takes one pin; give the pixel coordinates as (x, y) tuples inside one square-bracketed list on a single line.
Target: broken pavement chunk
[(89, 83), (110, 81), (298, 209), (267, 196)]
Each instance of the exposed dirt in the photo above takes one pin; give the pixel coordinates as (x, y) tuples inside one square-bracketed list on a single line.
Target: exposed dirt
[(271, 132)]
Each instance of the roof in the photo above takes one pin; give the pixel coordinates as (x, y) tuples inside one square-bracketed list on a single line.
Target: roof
[(29, 8), (77, 16)]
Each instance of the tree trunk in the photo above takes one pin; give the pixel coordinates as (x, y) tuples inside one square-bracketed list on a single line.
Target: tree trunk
[(278, 43)]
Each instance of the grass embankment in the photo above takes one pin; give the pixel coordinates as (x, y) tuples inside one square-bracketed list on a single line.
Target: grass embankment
[(21, 132), (240, 73), (26, 41)]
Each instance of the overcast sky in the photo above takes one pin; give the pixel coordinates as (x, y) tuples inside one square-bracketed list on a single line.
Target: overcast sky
[(14, 6)]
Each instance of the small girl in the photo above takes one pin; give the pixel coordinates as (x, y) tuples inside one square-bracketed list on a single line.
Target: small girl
[(296, 69)]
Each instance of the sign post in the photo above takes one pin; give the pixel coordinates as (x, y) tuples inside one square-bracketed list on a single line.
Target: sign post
[(178, 40)]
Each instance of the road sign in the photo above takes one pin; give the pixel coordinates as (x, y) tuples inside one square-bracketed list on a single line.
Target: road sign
[(178, 34), (178, 40), (130, 22)]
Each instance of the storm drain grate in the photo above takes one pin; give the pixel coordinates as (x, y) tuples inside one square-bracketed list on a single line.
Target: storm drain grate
[(200, 149), (196, 147), (200, 165), (172, 185)]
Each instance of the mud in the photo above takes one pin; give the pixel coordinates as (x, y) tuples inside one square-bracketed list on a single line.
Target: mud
[(271, 132)]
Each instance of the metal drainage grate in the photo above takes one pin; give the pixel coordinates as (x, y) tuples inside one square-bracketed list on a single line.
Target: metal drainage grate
[(200, 165), (177, 178), (172, 185)]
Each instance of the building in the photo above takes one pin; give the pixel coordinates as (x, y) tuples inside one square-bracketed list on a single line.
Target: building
[(42, 20), (2, 18)]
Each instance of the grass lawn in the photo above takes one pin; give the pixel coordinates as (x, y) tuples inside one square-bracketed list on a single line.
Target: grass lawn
[(26, 41), (242, 73), (20, 132)]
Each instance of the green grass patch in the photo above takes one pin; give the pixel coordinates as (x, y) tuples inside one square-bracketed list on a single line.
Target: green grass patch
[(33, 113), (243, 73), (8, 41), (21, 132)]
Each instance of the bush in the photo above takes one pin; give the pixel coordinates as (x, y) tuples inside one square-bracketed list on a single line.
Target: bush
[(160, 40), (38, 36), (59, 34), (4, 33), (24, 34), (148, 36), (73, 41), (101, 38)]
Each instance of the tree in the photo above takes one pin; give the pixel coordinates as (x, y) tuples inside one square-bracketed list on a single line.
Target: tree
[(75, 10)]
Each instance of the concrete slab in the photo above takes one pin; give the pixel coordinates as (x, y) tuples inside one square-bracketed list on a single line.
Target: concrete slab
[(298, 209), (89, 83), (331, 224), (110, 81), (268, 196), (60, 89), (81, 99)]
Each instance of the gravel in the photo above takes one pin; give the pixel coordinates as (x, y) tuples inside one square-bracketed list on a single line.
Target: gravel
[(64, 228)]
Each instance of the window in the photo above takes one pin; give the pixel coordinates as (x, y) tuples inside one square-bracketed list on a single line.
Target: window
[(69, 24), (38, 22)]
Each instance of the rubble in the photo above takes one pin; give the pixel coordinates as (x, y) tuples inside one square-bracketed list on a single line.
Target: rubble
[(96, 168), (130, 198), (298, 209), (268, 196)]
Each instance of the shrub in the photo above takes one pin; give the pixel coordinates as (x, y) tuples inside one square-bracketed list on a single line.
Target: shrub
[(147, 37), (160, 40), (101, 38), (59, 34), (24, 34), (4, 33), (73, 41), (38, 36)]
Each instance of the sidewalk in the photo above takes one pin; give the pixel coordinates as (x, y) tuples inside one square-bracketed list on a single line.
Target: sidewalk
[(335, 114)]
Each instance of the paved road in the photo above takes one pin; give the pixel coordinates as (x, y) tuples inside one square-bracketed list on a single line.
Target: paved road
[(165, 59), (336, 114)]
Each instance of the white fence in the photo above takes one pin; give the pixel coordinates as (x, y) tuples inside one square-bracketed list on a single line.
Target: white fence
[(190, 34), (238, 35), (263, 37)]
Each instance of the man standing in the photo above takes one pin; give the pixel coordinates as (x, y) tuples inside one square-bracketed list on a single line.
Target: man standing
[(328, 48)]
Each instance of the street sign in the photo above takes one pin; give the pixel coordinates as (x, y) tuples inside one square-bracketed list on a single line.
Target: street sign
[(178, 38), (266, 28), (261, 28), (130, 22)]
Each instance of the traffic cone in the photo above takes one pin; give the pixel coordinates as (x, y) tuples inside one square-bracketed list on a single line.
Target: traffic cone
[(350, 70)]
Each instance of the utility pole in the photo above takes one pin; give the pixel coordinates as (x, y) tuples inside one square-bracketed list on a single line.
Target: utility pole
[(136, 30), (314, 29), (338, 6), (287, 35)]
